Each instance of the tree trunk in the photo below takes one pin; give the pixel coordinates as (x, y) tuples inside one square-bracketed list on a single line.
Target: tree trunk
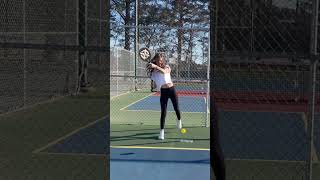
[(180, 33), (127, 22)]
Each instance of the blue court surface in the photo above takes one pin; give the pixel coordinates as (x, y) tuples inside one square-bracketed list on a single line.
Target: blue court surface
[(263, 135), (186, 104), (244, 135), (256, 136), (89, 140), (317, 133), (159, 164)]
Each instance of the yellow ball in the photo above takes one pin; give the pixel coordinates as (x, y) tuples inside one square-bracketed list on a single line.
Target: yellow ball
[(183, 131)]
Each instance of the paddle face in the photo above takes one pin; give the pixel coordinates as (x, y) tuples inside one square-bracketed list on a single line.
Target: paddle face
[(145, 54)]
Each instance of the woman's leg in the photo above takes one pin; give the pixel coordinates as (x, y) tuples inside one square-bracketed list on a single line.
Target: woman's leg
[(175, 102), (163, 103)]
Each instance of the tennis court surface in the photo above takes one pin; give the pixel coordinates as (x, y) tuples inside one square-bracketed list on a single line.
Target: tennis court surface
[(65, 138), (262, 143), (134, 131), (142, 163)]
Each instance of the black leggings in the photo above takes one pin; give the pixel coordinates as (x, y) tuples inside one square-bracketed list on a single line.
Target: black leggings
[(217, 158), (167, 93)]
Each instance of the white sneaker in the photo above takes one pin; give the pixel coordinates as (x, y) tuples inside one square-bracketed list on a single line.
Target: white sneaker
[(161, 136), (179, 124)]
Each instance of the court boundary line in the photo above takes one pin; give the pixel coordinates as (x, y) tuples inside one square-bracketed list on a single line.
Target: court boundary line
[(159, 148), (124, 108), (72, 154), (137, 101), (19, 110), (120, 95), (38, 150)]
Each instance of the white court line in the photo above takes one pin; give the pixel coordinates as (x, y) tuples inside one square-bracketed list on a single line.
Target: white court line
[(137, 101), (120, 95), (124, 108), (67, 135), (72, 154)]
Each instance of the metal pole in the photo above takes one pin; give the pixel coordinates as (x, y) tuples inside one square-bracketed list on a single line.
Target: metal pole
[(252, 27), (313, 69), (136, 46), (24, 57), (100, 32), (85, 69), (117, 50), (78, 44), (208, 85)]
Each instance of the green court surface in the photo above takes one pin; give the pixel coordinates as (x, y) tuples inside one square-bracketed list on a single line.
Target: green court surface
[(120, 114), (24, 132), (140, 129)]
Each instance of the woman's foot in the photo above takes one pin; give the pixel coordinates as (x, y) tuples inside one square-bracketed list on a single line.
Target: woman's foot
[(179, 123), (161, 135)]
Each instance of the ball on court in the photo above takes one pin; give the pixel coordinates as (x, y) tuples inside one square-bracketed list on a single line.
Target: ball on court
[(183, 131)]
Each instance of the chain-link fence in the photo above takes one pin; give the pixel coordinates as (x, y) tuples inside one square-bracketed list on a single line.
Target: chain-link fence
[(53, 81), (48, 66), (125, 74), (262, 83), (31, 76)]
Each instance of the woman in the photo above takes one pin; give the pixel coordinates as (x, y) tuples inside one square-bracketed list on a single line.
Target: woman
[(161, 74)]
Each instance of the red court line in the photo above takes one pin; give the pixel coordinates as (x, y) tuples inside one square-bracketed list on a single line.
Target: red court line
[(247, 107), (262, 101), (261, 97)]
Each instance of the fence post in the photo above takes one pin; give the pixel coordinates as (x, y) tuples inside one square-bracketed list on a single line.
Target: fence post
[(208, 87), (312, 86), (136, 45), (24, 57), (310, 122)]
